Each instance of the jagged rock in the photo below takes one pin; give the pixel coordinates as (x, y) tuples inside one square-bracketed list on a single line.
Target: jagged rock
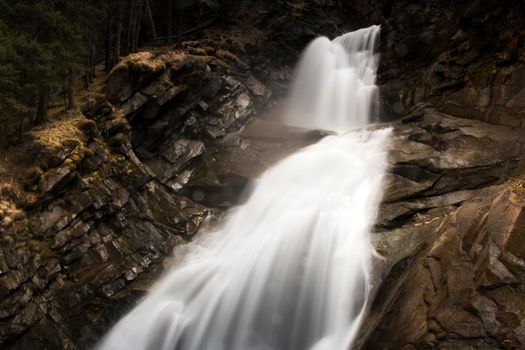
[(463, 282), (182, 151), (134, 104), (258, 89), (176, 157), (137, 71), (443, 262), (158, 87), (55, 180)]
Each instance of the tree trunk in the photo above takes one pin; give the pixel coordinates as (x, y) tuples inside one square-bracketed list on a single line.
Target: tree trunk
[(223, 4), (21, 125), (170, 21), (87, 71), (43, 105), (109, 39), (180, 9), (136, 28), (118, 32), (125, 38), (91, 58), (93, 61), (131, 25), (3, 132), (87, 67), (151, 21), (71, 103)]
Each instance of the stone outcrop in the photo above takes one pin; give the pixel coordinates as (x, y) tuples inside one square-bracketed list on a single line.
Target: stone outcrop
[(178, 104), (106, 207), (466, 58), (464, 288), (450, 237)]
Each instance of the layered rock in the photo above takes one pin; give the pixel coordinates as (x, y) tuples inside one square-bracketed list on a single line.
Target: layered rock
[(102, 219), (449, 238), (106, 207), (178, 104), (465, 288), (467, 58)]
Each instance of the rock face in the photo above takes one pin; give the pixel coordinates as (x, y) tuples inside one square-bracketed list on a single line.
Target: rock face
[(465, 290), (468, 58), (450, 238), (177, 103), (102, 219)]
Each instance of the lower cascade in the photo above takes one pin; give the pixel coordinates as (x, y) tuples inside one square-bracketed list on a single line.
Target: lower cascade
[(289, 269)]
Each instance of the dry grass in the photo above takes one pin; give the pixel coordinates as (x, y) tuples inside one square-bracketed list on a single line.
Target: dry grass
[(227, 55), (20, 163), (150, 61), (15, 166), (519, 187), (9, 213), (55, 133)]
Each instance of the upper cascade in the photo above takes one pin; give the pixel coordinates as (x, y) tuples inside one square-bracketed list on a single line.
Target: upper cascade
[(334, 85)]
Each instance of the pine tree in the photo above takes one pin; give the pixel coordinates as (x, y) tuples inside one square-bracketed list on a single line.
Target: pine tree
[(43, 45), (47, 46), (10, 97)]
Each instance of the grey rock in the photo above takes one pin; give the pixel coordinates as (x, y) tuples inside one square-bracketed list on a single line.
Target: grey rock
[(132, 105), (55, 179)]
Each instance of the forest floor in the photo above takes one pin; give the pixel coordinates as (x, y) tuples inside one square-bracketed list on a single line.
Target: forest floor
[(19, 160)]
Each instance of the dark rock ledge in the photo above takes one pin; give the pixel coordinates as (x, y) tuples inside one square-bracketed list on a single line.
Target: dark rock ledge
[(107, 207), (450, 236)]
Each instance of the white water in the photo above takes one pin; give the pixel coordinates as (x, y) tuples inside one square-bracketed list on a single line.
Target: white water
[(334, 86), (289, 270)]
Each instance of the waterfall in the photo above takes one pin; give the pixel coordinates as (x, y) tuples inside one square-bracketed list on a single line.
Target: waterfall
[(334, 85), (289, 269)]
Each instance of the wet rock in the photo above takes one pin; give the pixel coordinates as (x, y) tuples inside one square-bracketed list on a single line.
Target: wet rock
[(446, 215), (75, 229), (258, 89), (464, 298), (182, 151), (55, 180), (175, 157), (133, 104)]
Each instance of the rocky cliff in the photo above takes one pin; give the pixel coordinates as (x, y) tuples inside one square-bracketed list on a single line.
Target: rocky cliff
[(450, 235), (179, 134), (104, 205)]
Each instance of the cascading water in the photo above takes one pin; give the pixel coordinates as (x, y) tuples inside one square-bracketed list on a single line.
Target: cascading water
[(334, 86), (290, 269)]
